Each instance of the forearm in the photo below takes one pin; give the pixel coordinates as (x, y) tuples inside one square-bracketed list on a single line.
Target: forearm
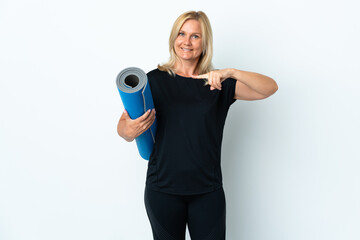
[(258, 82), (121, 131)]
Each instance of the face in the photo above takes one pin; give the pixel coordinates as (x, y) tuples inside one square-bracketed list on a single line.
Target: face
[(188, 44)]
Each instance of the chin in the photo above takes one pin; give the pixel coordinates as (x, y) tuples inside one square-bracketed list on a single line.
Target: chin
[(188, 57)]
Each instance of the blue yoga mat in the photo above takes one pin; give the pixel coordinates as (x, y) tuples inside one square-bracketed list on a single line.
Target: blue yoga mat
[(135, 94)]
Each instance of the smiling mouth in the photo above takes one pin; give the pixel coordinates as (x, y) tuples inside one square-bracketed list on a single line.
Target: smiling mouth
[(186, 49)]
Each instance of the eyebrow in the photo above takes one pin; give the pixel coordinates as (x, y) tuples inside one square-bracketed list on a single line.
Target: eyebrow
[(191, 33)]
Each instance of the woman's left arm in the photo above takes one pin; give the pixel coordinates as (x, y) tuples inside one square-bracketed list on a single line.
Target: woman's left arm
[(249, 85)]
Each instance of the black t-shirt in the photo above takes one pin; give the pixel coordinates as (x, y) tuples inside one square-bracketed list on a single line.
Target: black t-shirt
[(186, 155)]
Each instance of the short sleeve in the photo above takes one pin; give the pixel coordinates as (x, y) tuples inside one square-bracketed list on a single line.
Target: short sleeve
[(228, 90)]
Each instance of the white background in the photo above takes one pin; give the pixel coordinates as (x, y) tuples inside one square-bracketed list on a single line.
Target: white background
[(290, 162)]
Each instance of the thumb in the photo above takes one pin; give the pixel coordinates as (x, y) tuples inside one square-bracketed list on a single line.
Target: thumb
[(125, 115)]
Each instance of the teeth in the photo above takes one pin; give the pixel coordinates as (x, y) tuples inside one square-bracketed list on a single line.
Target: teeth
[(185, 49)]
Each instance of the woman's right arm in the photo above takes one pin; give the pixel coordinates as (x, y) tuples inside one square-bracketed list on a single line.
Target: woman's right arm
[(130, 129)]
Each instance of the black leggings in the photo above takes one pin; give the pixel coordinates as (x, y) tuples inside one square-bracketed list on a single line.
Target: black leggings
[(204, 214)]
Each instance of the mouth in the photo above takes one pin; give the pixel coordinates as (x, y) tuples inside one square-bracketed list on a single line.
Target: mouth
[(186, 49)]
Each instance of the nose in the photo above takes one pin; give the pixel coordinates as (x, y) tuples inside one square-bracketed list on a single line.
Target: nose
[(187, 41)]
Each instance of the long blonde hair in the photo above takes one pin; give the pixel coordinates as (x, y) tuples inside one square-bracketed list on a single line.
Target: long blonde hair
[(204, 65)]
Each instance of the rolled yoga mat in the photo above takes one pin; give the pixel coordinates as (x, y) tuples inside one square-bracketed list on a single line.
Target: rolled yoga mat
[(135, 94)]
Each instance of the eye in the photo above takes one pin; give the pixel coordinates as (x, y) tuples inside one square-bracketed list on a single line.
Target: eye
[(181, 34), (195, 36)]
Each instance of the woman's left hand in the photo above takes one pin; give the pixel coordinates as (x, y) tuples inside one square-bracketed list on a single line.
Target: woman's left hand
[(215, 78)]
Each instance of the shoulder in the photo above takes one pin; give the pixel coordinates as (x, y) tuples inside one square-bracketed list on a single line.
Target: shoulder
[(157, 74), (153, 72)]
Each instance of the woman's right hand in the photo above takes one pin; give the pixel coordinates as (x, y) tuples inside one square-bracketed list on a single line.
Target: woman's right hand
[(129, 129)]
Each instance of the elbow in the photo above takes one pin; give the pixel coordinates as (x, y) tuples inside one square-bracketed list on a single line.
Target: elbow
[(128, 139), (275, 88), (272, 88), (122, 133), (125, 137)]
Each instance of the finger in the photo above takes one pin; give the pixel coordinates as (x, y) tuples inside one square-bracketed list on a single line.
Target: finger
[(144, 116), (216, 81), (210, 79), (218, 84), (146, 125), (212, 87), (143, 126), (203, 76), (150, 118)]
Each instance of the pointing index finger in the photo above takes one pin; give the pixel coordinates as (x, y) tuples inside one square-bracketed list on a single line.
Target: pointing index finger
[(201, 76)]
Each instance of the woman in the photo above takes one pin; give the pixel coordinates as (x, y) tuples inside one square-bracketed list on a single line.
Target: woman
[(184, 181)]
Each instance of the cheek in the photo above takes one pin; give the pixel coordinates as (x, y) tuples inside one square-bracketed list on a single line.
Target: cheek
[(177, 42), (199, 46)]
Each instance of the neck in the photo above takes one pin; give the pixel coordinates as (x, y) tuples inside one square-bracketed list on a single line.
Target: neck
[(185, 68)]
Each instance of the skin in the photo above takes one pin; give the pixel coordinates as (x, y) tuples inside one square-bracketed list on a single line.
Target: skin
[(249, 85), (188, 47), (129, 129)]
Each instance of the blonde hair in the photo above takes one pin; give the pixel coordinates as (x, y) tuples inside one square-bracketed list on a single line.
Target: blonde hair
[(204, 65)]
